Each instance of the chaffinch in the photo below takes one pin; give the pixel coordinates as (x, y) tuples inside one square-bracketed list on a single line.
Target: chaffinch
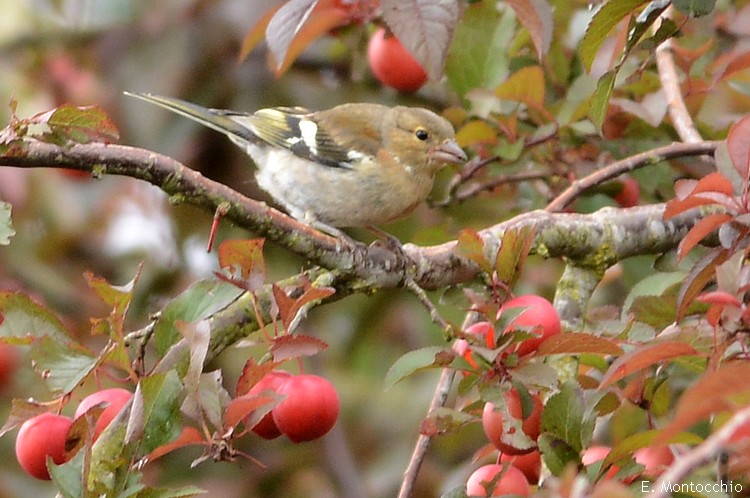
[(355, 165)]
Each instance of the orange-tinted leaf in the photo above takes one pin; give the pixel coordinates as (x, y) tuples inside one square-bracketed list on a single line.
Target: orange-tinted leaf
[(700, 274), (739, 62), (252, 372), (536, 17), (471, 246), (714, 182), (514, 248), (243, 259), (289, 307), (676, 207), (644, 357), (290, 346), (188, 436), (241, 406), (578, 342), (719, 297), (323, 19), (700, 231), (255, 35), (738, 145), (525, 85), (82, 124), (476, 132), (712, 393)]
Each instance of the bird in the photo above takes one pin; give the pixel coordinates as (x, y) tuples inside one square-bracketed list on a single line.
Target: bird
[(353, 165)]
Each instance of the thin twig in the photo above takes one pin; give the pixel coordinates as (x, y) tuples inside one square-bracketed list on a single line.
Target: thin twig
[(496, 181), (698, 456), (423, 442), (670, 82), (631, 163), (422, 296)]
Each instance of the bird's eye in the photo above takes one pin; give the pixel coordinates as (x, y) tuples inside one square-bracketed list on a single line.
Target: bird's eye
[(422, 134)]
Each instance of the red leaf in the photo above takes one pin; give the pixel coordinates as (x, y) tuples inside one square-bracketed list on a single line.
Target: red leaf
[(471, 246), (289, 307), (242, 406), (578, 342), (644, 357), (188, 436), (252, 372), (719, 297), (676, 207), (714, 182), (699, 231), (536, 17), (243, 259), (291, 346), (738, 145), (698, 277), (712, 393)]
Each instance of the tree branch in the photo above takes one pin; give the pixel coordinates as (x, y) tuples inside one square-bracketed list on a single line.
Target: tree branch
[(594, 241), (630, 164), (701, 454)]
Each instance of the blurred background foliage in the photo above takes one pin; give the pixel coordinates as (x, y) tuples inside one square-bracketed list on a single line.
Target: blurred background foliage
[(87, 52)]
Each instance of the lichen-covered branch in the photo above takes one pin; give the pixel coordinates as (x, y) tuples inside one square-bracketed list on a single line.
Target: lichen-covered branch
[(591, 242)]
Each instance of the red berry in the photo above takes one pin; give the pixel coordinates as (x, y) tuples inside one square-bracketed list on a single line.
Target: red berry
[(512, 482), (596, 454), (39, 437), (8, 364), (272, 381), (309, 410), (492, 422), (115, 398), (655, 460), (630, 193), (529, 464), (392, 64), (538, 317)]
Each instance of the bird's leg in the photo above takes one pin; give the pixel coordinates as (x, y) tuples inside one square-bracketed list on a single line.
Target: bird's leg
[(343, 241)]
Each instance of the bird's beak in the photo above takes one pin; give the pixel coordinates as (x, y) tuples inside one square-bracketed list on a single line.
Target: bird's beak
[(448, 152)]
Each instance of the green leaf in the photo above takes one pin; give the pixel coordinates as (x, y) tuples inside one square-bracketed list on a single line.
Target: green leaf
[(21, 317), (600, 99), (155, 412), (653, 285), (62, 366), (184, 492), (514, 248), (477, 55), (414, 361), (695, 8), (6, 226), (82, 124), (536, 17), (67, 477), (471, 246), (602, 24), (199, 301), (556, 453), (456, 492), (564, 417)]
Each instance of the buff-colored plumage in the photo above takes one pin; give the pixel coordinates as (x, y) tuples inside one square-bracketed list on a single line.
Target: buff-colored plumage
[(352, 165)]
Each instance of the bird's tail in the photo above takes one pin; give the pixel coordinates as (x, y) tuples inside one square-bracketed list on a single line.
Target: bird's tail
[(213, 118)]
